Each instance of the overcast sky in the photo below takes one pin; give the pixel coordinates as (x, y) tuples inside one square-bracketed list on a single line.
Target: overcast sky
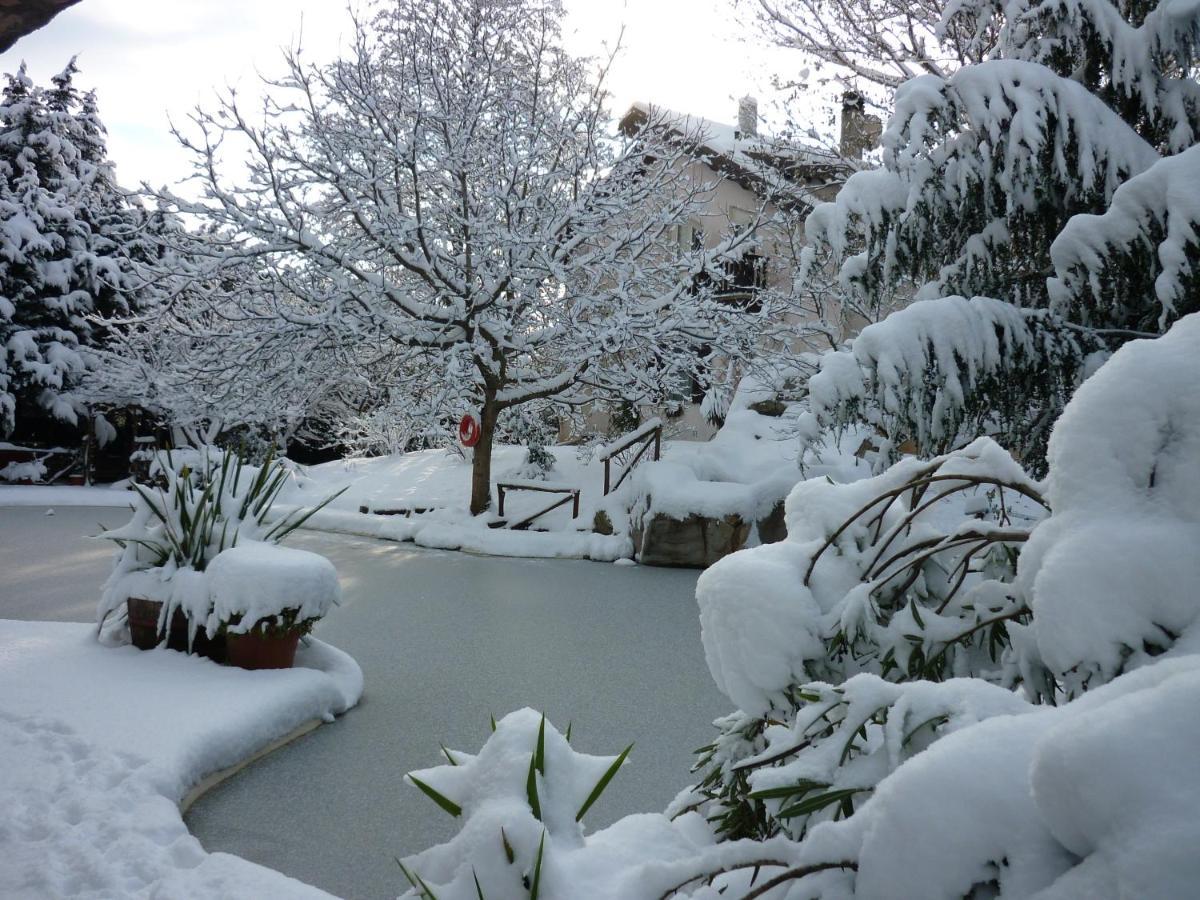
[(148, 59)]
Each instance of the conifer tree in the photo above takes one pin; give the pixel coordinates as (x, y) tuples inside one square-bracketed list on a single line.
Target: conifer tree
[(68, 240), (1004, 180)]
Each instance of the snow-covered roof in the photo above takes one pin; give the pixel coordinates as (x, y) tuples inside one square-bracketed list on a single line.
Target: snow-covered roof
[(751, 160)]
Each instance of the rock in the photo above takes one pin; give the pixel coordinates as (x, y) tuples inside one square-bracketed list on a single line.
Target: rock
[(695, 542), (601, 523), (774, 408), (771, 528)]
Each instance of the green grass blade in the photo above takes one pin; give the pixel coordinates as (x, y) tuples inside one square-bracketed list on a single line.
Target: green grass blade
[(537, 869), (531, 791), (541, 747), (603, 783), (440, 799)]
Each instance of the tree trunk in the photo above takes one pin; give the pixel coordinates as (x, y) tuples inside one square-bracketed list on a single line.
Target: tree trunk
[(481, 463)]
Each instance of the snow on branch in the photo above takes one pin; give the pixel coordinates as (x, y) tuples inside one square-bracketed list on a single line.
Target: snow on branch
[(1140, 58), (1145, 245), (982, 169), (941, 371)]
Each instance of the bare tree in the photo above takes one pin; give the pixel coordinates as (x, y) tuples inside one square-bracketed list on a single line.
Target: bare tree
[(447, 202), (883, 42)]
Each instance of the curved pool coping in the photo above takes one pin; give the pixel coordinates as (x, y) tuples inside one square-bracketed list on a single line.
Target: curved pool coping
[(210, 781)]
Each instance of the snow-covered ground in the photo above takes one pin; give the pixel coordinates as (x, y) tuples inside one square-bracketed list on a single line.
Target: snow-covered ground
[(444, 641), (748, 467), (99, 744)]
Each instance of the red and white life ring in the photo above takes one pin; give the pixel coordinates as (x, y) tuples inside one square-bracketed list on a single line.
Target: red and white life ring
[(468, 431)]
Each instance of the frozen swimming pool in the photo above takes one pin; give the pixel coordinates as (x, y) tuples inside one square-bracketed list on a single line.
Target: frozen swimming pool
[(444, 640)]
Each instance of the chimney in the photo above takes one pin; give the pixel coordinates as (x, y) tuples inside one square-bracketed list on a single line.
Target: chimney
[(859, 131), (747, 120)]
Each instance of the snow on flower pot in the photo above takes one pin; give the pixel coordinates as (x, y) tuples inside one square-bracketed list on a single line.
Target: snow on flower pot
[(265, 598)]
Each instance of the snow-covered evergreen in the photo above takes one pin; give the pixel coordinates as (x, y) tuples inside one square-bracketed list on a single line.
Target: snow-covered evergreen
[(68, 241), (1002, 180)]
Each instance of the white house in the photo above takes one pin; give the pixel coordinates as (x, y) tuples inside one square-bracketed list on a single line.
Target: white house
[(750, 175)]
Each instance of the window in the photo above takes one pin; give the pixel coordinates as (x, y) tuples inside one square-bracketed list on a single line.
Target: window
[(738, 281)]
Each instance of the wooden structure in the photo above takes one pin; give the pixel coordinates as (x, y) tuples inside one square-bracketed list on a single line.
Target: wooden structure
[(571, 495), (648, 435)]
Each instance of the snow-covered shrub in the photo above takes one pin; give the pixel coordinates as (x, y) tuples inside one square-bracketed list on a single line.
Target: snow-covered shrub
[(823, 758), (1104, 585), (902, 575), (1113, 573), (522, 799), (1092, 799), (939, 372), (30, 472), (209, 500)]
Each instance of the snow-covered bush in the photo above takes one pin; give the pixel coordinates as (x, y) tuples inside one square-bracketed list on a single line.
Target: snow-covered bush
[(522, 798), (823, 758), (30, 472), (209, 500), (902, 575), (1092, 799), (1104, 584), (941, 371), (1112, 574)]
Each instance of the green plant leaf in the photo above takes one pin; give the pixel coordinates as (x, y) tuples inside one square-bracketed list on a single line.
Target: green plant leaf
[(603, 783), (508, 850), (493, 718), (446, 753), (416, 880), (531, 791), (537, 869), (541, 747), (440, 799), (779, 793), (814, 804)]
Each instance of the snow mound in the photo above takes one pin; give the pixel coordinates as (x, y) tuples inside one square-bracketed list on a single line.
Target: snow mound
[(1113, 572), (254, 581)]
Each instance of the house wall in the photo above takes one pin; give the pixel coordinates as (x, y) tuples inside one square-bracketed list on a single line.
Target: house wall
[(725, 201)]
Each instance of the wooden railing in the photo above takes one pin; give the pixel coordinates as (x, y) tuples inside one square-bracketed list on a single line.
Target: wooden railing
[(572, 497), (648, 435)]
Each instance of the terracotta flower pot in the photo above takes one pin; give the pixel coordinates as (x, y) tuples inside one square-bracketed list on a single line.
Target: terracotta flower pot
[(143, 629), (258, 650)]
